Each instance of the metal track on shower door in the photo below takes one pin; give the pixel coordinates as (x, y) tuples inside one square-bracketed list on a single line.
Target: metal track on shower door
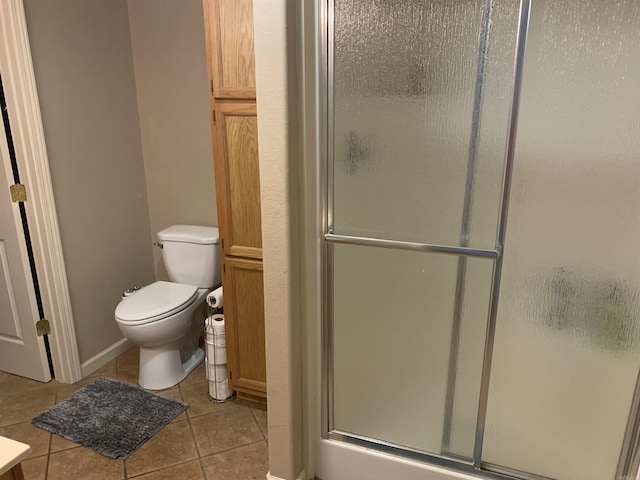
[(465, 227), (523, 30), (326, 189)]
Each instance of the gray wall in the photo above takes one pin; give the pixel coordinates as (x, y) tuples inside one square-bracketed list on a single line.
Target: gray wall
[(173, 102), (124, 100), (84, 73)]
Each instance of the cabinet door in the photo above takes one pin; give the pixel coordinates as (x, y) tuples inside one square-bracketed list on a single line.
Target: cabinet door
[(238, 178), (230, 48), (244, 320)]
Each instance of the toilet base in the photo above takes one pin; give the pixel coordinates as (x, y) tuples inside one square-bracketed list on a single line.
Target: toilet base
[(162, 368)]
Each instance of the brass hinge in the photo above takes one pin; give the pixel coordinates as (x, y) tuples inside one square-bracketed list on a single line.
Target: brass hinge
[(18, 193), (43, 327)]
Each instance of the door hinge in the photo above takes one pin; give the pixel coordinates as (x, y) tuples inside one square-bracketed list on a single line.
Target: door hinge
[(43, 327), (211, 81), (230, 375), (214, 116), (224, 267), (222, 241), (18, 193)]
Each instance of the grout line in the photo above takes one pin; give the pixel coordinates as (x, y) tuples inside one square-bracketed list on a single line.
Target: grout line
[(46, 467), (255, 419), (166, 467), (235, 448), (193, 437)]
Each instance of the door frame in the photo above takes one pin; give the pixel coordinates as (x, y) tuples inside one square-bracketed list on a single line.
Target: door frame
[(28, 136)]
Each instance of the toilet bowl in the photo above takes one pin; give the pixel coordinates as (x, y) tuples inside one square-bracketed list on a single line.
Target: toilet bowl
[(164, 318), (160, 319)]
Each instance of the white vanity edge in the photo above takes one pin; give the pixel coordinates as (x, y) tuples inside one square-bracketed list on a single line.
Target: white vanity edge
[(12, 453)]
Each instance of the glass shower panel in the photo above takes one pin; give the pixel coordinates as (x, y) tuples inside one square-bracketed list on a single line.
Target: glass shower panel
[(567, 344), (418, 96), (391, 327)]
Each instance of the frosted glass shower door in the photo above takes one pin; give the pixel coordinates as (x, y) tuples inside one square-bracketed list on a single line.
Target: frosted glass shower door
[(567, 343), (482, 288), (417, 124)]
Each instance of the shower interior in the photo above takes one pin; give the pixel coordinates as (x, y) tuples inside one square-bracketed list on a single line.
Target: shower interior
[(481, 285)]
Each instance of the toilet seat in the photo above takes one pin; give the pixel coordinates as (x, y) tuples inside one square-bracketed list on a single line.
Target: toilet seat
[(154, 302)]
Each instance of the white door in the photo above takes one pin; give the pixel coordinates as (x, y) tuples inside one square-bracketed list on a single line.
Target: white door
[(22, 352)]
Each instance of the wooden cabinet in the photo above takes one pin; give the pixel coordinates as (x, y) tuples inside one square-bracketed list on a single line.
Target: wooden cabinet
[(230, 51), (237, 178), (244, 304), (234, 128)]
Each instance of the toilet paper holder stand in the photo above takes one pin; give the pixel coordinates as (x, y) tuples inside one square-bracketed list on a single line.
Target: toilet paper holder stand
[(214, 311)]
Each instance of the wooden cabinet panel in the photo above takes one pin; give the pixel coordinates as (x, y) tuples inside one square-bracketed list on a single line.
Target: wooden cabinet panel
[(244, 321), (234, 128), (238, 178), (230, 47)]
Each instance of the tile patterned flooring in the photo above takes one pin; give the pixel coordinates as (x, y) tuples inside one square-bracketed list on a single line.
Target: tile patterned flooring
[(210, 441)]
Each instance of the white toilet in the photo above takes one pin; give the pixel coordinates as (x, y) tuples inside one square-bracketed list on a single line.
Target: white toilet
[(164, 318)]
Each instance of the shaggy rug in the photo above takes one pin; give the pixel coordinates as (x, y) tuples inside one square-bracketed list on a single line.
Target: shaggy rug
[(111, 417)]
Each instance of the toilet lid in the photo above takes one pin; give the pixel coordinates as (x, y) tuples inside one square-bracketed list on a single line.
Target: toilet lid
[(155, 300)]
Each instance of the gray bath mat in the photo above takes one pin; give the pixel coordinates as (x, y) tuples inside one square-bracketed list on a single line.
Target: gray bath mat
[(111, 417)]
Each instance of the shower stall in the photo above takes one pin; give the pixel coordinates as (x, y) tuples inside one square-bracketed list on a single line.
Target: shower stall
[(481, 220)]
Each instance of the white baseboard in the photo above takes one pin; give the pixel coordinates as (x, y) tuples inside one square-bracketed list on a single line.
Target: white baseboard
[(105, 356), (302, 476)]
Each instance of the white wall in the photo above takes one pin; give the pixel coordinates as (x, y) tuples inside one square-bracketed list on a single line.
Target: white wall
[(84, 73), (169, 59), (276, 84)]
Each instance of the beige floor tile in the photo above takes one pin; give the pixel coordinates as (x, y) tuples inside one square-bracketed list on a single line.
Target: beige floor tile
[(59, 443), (245, 463), (197, 396), (37, 438), (130, 358), (176, 394), (35, 468), (64, 390), (12, 383), (184, 471), (172, 445), (260, 415), (128, 375), (198, 375), (108, 370), (83, 463), (230, 428), (23, 405)]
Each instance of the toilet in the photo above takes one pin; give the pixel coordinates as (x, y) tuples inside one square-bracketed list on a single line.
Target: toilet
[(164, 318)]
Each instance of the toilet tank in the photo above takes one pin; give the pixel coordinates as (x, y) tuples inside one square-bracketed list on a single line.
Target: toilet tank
[(191, 255)]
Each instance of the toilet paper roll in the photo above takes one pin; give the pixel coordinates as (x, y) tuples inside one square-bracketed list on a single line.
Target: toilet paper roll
[(216, 355), (217, 373), (214, 324), (220, 390), (214, 299)]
